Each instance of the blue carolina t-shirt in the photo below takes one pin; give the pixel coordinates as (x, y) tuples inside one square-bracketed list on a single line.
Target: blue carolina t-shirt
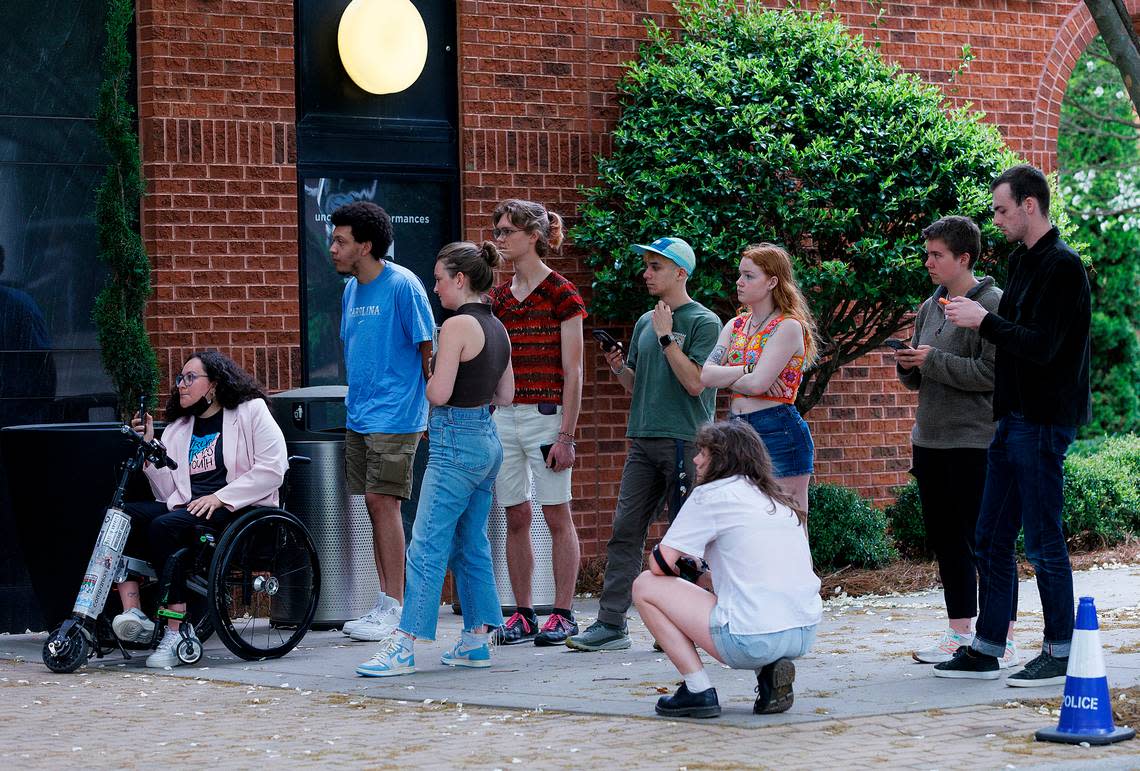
[(382, 324)]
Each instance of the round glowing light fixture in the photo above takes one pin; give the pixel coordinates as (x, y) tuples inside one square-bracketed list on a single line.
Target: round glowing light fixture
[(383, 44)]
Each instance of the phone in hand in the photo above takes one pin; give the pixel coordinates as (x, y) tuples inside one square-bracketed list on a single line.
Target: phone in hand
[(895, 343), (545, 449), (605, 339)]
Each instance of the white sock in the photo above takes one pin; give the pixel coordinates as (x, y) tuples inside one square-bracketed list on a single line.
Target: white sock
[(474, 639), (698, 681)]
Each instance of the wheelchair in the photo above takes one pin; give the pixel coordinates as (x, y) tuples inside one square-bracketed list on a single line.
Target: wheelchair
[(256, 585)]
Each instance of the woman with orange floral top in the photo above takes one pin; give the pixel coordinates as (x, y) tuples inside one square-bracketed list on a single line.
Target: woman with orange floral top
[(760, 356)]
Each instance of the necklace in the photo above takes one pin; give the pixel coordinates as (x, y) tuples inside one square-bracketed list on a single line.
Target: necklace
[(749, 330)]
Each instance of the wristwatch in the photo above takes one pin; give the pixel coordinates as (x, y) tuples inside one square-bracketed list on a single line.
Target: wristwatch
[(665, 340)]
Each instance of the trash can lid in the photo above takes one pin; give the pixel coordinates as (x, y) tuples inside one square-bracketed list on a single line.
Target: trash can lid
[(313, 392)]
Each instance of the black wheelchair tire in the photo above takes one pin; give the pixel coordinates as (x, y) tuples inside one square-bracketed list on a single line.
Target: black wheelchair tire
[(276, 546)]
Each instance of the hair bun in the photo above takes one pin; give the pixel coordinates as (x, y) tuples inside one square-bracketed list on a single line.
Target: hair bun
[(490, 254), (557, 232)]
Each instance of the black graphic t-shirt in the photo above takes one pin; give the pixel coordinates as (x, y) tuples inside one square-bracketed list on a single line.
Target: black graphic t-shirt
[(207, 468)]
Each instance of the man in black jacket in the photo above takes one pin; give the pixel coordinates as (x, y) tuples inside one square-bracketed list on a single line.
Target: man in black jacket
[(1041, 396)]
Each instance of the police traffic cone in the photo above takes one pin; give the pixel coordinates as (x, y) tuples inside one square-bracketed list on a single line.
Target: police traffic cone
[(1086, 711)]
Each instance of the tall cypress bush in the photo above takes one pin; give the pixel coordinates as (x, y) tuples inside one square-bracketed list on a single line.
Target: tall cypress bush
[(120, 307)]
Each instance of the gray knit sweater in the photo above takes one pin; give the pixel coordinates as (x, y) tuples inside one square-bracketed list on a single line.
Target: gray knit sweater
[(955, 384)]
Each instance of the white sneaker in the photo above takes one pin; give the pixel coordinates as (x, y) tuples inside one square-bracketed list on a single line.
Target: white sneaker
[(167, 653), (132, 626), (1010, 657), (371, 617), (944, 649), (383, 625)]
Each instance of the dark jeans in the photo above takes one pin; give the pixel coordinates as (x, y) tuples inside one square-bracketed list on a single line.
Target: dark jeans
[(1024, 489), (157, 532), (950, 485), (648, 480)]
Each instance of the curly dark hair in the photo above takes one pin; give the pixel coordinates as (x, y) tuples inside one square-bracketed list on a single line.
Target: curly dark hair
[(232, 384), (368, 222), (735, 448)]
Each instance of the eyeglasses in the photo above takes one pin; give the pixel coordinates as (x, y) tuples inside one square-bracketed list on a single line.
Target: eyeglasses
[(504, 232), (186, 379)]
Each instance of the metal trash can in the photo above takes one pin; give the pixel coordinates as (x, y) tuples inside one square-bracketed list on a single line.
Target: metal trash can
[(542, 581), (312, 420)]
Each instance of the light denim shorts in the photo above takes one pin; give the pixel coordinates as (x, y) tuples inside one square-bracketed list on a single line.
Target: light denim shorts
[(752, 651)]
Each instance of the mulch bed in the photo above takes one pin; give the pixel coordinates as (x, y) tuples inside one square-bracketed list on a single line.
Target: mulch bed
[(902, 576)]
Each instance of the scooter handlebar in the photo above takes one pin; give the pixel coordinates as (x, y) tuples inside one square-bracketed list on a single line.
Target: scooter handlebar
[(155, 450)]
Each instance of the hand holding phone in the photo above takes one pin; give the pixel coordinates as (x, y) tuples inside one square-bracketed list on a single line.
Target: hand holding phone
[(605, 339), (545, 450), (896, 344)]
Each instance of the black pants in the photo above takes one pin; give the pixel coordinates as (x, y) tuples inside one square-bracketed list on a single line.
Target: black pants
[(950, 486), (157, 532)]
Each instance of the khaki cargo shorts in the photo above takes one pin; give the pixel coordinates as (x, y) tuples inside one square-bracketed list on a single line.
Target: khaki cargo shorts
[(380, 463)]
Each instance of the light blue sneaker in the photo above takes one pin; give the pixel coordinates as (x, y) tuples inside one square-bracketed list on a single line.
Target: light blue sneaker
[(392, 659), (473, 656)]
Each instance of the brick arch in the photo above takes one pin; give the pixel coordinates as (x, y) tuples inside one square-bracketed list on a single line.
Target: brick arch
[(1073, 35)]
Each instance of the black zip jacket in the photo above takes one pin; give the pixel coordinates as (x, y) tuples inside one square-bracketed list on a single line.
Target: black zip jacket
[(1041, 330)]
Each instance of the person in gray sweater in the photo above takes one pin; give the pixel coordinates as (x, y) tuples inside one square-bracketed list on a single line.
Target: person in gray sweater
[(952, 369)]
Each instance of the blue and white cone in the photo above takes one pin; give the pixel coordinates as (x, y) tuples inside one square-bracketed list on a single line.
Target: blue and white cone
[(1086, 710)]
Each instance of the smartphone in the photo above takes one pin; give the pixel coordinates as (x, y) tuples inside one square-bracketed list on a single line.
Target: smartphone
[(545, 449), (898, 345), (605, 339)]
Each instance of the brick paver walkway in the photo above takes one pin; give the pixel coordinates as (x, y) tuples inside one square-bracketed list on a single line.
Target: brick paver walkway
[(104, 718)]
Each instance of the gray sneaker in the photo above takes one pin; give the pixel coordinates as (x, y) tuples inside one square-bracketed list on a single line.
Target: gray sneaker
[(600, 636), (133, 626)]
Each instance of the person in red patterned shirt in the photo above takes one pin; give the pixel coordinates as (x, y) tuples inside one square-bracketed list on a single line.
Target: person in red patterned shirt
[(543, 314)]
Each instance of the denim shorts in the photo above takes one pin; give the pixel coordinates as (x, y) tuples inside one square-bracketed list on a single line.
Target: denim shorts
[(787, 439), (752, 651)]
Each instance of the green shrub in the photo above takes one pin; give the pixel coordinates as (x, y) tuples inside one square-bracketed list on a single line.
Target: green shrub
[(1102, 492), (907, 526), (748, 125), (845, 529)]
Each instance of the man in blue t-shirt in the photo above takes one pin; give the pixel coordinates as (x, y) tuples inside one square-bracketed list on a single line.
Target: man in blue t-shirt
[(386, 327)]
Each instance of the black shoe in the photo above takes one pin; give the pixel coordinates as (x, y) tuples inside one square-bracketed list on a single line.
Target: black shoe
[(518, 629), (685, 704), (969, 664), (556, 629), (600, 636), (1043, 670), (774, 688)]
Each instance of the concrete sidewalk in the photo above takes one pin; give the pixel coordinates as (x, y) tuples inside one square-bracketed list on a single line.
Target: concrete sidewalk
[(859, 673)]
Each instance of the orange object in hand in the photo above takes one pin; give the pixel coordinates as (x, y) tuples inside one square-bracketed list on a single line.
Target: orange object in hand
[(943, 300)]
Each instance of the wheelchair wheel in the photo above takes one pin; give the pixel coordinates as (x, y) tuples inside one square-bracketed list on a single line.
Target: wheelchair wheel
[(264, 584), (189, 650)]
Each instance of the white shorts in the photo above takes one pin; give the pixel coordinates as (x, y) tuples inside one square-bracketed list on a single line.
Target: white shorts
[(523, 430)]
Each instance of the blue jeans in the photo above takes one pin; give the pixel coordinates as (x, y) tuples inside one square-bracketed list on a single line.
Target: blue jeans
[(786, 437), (464, 455), (1024, 488)]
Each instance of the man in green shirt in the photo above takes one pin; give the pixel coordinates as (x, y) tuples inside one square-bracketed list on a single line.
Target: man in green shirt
[(663, 372)]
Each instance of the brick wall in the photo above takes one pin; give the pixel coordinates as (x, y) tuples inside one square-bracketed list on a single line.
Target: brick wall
[(537, 100), (220, 217)]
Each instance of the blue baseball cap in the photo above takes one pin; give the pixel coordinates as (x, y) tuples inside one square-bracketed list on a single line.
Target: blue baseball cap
[(673, 249)]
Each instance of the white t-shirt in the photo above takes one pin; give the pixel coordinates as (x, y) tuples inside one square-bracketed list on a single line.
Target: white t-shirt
[(757, 553)]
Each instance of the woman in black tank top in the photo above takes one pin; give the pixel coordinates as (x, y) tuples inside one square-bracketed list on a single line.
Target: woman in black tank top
[(472, 370)]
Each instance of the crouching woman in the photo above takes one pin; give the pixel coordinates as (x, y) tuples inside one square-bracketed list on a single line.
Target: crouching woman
[(765, 604)]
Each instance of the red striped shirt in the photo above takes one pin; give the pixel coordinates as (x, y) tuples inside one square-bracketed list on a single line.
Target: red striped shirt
[(535, 327)]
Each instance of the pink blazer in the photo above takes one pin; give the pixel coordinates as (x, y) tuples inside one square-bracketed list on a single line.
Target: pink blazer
[(253, 449)]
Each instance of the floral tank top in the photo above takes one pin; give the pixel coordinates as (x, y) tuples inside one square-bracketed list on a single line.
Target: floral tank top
[(746, 349)]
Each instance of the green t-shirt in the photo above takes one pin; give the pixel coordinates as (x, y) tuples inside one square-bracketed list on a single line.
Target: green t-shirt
[(661, 406)]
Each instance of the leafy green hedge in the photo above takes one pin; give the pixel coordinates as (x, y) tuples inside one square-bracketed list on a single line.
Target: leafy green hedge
[(1102, 497), (845, 529), (907, 526)]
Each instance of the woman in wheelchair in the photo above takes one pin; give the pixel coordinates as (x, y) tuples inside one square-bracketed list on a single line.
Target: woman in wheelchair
[(231, 456), (765, 603)]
